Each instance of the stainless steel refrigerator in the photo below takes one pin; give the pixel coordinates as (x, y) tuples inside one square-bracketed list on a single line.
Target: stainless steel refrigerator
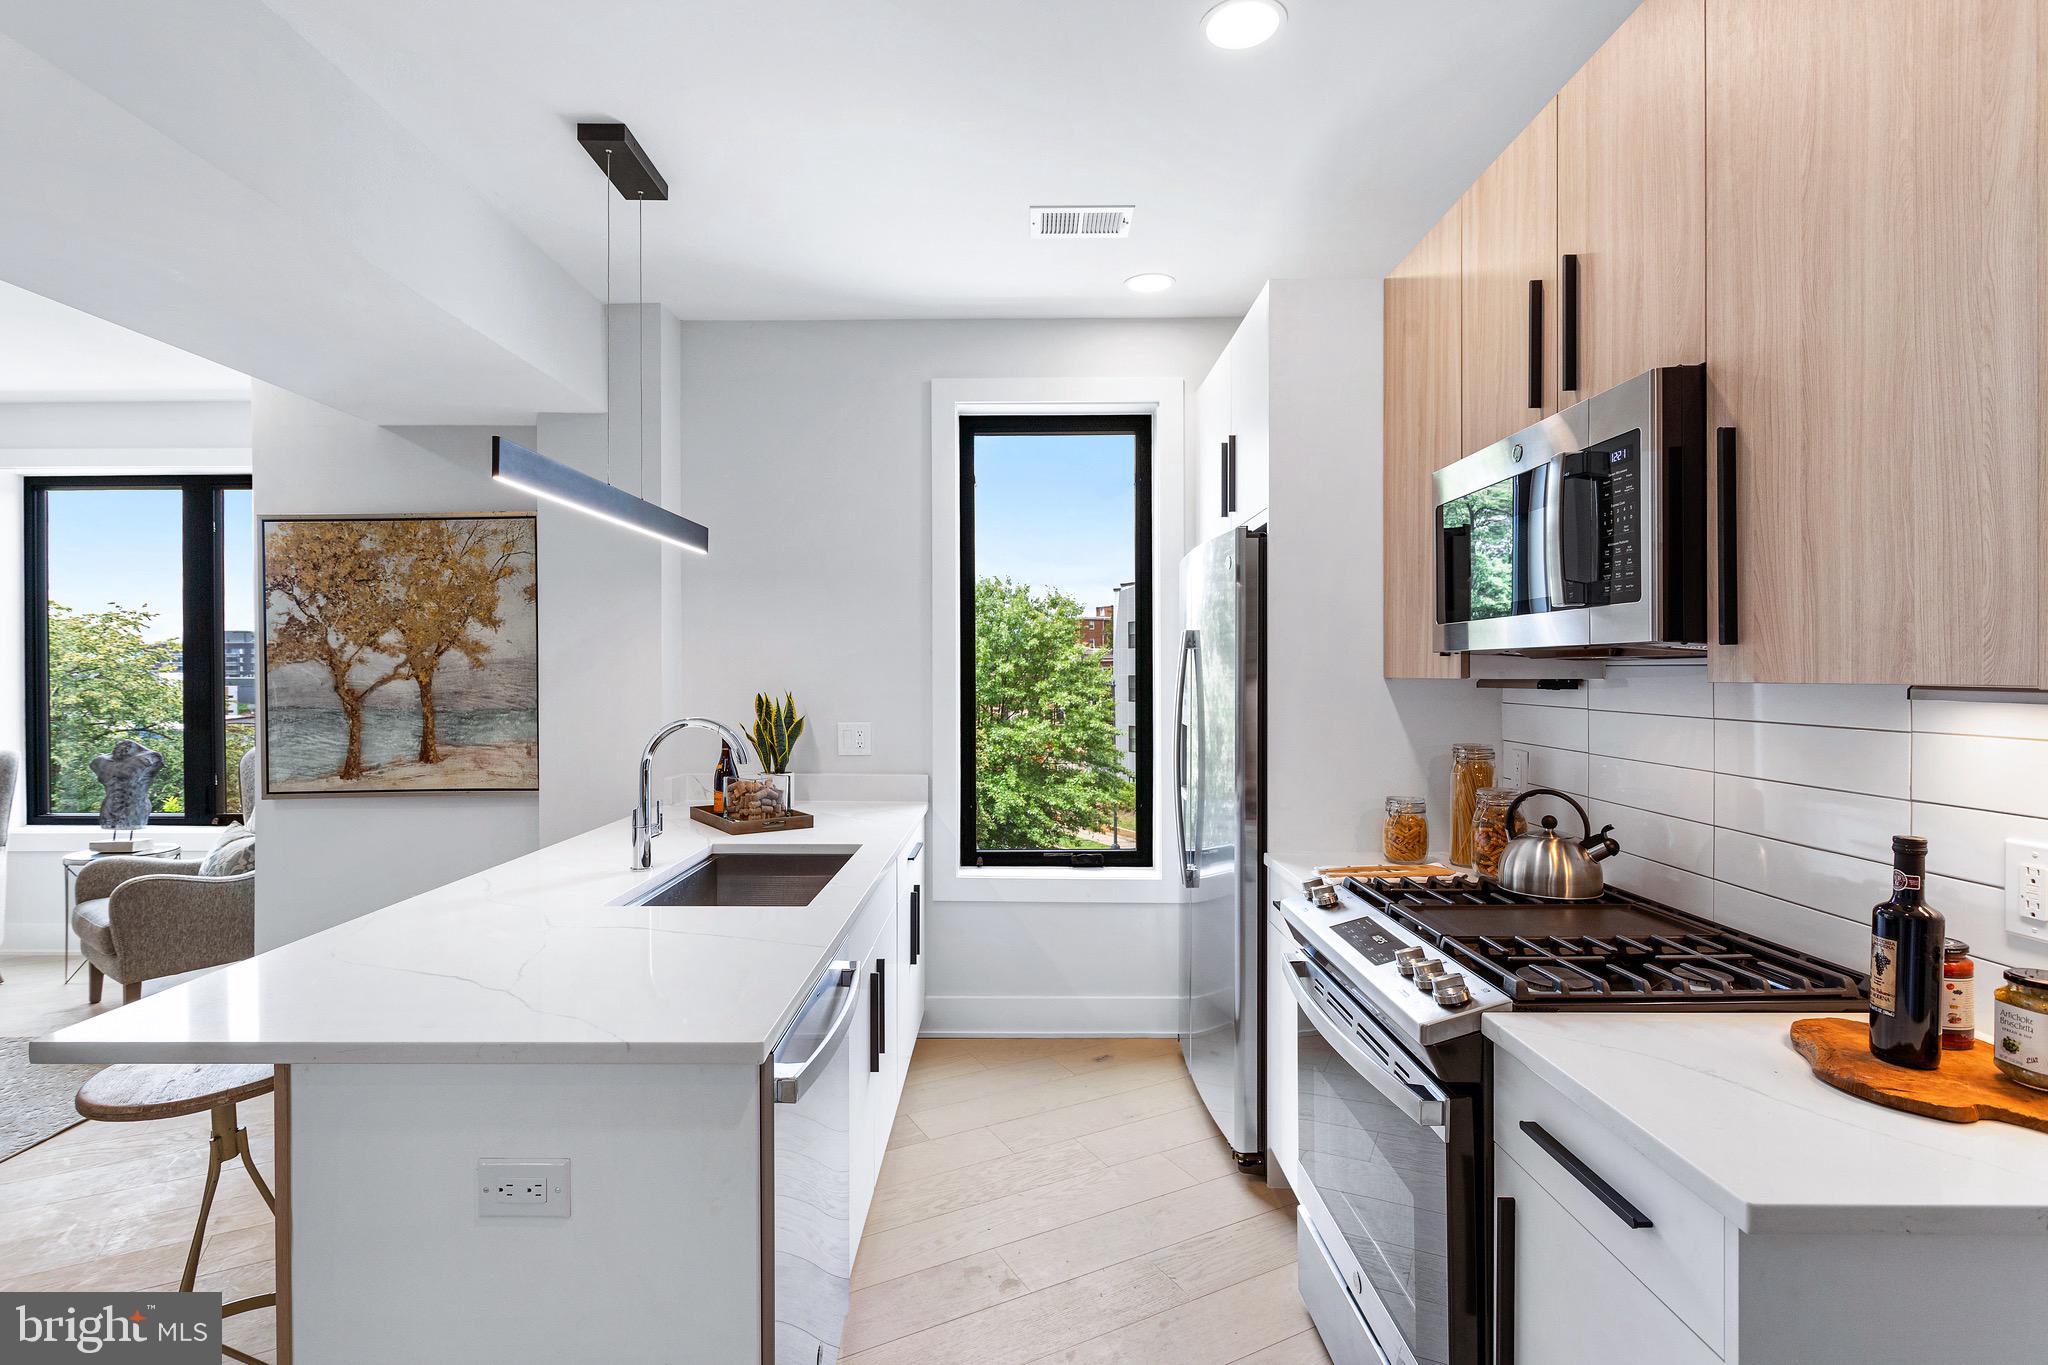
[(1218, 763)]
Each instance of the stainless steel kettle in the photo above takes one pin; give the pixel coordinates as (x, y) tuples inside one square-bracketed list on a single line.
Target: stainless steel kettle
[(1546, 866)]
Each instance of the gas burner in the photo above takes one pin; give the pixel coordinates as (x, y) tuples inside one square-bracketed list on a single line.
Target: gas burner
[(1617, 952)]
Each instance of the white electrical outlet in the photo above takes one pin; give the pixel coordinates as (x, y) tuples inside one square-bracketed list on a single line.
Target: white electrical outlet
[(1515, 765), (2026, 887), (856, 737), (522, 1189)]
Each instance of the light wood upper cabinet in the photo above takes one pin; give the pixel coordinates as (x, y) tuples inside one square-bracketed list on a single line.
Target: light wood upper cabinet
[(1422, 434), (1875, 336), (1508, 239), (1631, 201)]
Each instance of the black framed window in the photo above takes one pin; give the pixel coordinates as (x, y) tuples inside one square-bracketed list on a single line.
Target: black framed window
[(140, 624), (1055, 547)]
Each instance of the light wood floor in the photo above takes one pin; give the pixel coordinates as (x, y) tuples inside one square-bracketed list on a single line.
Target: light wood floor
[(110, 1205), (1041, 1200), (1069, 1200)]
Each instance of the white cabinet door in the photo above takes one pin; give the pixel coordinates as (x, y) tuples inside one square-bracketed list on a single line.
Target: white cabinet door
[(886, 968), (1212, 436), (1250, 410), (1283, 1023), (1568, 1300), (912, 944), (864, 1147)]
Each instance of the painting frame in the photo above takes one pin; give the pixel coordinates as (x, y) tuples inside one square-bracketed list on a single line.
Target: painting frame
[(526, 533)]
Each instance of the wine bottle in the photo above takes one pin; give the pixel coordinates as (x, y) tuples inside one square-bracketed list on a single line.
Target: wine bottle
[(1905, 965), (726, 769)]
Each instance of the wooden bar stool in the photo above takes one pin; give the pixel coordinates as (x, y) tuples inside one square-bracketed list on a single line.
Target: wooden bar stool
[(133, 1094)]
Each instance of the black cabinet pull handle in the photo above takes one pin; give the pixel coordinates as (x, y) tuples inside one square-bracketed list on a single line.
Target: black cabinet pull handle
[(916, 923), (1587, 1176), (875, 1017), (1724, 495), (1535, 343), (1504, 1281), (1230, 478), (1223, 479), (1568, 315)]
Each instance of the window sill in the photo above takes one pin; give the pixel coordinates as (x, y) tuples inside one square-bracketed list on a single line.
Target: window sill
[(1100, 885), (69, 838)]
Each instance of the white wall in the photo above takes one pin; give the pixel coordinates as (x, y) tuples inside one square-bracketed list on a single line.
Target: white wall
[(1341, 738), (329, 858), (82, 438), (1771, 807), (807, 449)]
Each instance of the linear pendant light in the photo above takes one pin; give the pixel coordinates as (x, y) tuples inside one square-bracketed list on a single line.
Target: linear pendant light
[(513, 464)]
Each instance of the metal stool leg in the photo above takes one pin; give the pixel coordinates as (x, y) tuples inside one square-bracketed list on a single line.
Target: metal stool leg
[(228, 1141)]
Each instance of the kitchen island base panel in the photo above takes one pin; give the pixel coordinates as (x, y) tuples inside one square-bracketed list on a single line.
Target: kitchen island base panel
[(658, 1261)]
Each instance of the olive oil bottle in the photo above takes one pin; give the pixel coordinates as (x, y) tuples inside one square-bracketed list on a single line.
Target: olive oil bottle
[(1905, 965)]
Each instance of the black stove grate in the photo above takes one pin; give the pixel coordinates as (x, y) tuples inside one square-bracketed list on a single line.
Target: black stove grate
[(1618, 952)]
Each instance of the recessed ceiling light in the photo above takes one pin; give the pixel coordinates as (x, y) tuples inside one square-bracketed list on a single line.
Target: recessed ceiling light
[(1149, 284), (1237, 24)]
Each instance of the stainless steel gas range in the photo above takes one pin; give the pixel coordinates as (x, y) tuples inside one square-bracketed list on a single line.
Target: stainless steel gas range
[(1396, 1255)]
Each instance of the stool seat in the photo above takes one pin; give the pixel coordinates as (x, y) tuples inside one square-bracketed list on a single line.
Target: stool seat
[(133, 1092)]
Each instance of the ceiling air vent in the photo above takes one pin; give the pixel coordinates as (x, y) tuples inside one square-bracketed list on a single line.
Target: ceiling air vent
[(1082, 221)]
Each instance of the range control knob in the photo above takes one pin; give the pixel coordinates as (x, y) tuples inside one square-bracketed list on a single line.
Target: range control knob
[(1405, 960), (1450, 991), (1426, 973)]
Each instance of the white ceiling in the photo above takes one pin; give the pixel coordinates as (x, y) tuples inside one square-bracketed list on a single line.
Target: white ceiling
[(875, 158), (51, 353)]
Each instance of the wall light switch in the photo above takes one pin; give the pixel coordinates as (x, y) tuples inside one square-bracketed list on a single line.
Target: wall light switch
[(856, 737), (537, 1188), (2026, 887)]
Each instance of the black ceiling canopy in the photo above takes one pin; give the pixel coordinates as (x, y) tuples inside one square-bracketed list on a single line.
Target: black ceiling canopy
[(631, 172)]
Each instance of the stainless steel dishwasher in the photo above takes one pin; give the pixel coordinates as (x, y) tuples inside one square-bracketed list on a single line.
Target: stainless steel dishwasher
[(806, 1187)]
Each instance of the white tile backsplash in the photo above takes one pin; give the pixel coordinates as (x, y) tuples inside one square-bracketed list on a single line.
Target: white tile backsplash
[(1681, 741), (1660, 691), (1873, 762), (1555, 726), (1685, 792), (2009, 775), (1844, 822), (1836, 704), (1772, 807)]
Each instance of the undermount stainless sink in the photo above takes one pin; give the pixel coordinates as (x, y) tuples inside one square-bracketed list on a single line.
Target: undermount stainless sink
[(782, 875)]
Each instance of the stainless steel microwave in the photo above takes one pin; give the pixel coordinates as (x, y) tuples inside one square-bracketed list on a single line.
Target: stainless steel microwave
[(1584, 534)]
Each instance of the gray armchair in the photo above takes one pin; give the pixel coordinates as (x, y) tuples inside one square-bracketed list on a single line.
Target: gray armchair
[(139, 918)]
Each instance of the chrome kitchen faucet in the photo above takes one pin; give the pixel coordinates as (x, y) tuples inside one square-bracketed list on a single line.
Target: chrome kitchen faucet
[(647, 815)]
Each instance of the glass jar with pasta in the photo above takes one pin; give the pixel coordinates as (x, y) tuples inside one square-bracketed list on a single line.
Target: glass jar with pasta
[(1405, 838), (1490, 833), (1471, 771)]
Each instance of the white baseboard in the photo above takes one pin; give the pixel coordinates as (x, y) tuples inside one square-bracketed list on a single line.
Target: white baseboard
[(1051, 1016)]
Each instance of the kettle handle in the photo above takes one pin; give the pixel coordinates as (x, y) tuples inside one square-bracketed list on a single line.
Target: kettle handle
[(1585, 822)]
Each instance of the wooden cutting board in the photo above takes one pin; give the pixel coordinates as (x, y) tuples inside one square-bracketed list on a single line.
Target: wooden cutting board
[(1968, 1087)]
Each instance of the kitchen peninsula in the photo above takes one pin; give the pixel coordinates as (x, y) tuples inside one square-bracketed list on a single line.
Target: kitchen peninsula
[(462, 1024)]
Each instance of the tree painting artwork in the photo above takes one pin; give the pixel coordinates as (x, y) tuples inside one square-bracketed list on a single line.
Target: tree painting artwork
[(400, 654)]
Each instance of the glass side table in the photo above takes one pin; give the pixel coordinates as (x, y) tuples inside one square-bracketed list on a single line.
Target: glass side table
[(73, 861)]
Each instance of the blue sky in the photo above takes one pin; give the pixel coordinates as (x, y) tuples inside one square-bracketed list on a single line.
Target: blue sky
[(1056, 511), (122, 545)]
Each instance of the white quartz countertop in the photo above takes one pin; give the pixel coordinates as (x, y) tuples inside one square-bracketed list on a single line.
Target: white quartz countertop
[(1725, 1106), (528, 961)]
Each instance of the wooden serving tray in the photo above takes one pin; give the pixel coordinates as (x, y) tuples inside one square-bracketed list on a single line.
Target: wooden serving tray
[(1378, 872), (1968, 1087), (796, 819)]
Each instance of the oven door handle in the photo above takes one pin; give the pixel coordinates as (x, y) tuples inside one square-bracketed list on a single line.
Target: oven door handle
[(1426, 1110)]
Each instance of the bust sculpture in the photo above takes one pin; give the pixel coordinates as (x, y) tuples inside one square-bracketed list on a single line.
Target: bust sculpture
[(126, 774)]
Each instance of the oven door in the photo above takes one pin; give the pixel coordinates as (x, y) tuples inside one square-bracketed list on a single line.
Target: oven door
[(1389, 1178)]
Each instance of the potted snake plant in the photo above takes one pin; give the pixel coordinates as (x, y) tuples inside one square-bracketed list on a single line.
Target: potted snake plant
[(776, 729)]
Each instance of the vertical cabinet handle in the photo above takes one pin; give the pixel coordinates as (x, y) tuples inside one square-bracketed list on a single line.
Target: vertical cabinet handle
[(1230, 479), (1724, 531), (916, 923), (1568, 317), (1616, 1202), (1535, 343), (875, 1013), (1504, 1281), (1223, 479)]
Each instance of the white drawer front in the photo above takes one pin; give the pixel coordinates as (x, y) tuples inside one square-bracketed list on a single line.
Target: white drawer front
[(1679, 1257)]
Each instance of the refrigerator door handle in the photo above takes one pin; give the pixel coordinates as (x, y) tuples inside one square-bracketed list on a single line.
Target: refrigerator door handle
[(1188, 873)]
